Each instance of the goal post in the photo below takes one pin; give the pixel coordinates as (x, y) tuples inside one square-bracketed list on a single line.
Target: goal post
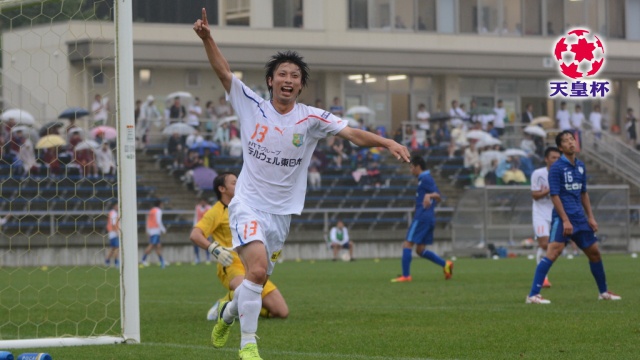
[(55, 289)]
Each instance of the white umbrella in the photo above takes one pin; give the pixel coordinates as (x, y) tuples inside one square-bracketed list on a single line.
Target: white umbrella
[(363, 110), (227, 119), (490, 141), (20, 117), (23, 128), (87, 144), (477, 134), (515, 152), (180, 128), (541, 120), (535, 130), (76, 130), (183, 95), (351, 121)]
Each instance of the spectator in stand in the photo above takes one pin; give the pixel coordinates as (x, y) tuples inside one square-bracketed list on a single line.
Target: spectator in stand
[(336, 108), (105, 160), (339, 239), (223, 109), (86, 159), (99, 110), (472, 158), (193, 139), (456, 114), (177, 112), (337, 150), (27, 157), (501, 115), (374, 176), (492, 130), (563, 117), (422, 117), (207, 158), (192, 162), (576, 124), (595, 119), (210, 115), (630, 125), (315, 179), (194, 114), (527, 144), (222, 137), (233, 130), (149, 113), (136, 112), (235, 147), (527, 115), (175, 149)]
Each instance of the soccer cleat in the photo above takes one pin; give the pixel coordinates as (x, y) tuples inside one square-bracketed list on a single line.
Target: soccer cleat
[(608, 295), (546, 283), (221, 330), (448, 270), (212, 315), (249, 352), (536, 299), (145, 263), (402, 279)]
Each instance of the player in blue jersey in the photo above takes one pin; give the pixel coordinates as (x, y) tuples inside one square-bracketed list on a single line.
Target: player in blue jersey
[(571, 219), (424, 221)]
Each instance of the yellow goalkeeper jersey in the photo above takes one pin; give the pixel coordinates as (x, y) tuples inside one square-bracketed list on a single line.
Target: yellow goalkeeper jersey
[(215, 223)]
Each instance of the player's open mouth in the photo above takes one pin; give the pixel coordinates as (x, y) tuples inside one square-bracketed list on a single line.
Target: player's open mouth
[(286, 90)]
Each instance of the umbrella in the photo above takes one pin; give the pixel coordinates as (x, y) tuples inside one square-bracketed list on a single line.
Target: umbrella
[(25, 129), (86, 144), (20, 116), (515, 152), (360, 110), (50, 141), (490, 141), (439, 117), (108, 132), (351, 121), (183, 95), (76, 129), (203, 177), (73, 113), (541, 120), (180, 128), (477, 134), (227, 119), (44, 130), (535, 130), (205, 145)]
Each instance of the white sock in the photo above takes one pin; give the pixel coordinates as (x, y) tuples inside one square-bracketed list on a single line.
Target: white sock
[(231, 311), (540, 254), (249, 305)]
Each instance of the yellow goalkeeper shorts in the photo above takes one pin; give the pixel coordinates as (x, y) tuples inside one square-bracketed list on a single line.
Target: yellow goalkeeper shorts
[(226, 273)]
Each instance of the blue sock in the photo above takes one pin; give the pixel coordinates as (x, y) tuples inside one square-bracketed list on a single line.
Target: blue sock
[(144, 257), (597, 269), (541, 273), (107, 262), (406, 261), (117, 262), (195, 250), (161, 260), (433, 257)]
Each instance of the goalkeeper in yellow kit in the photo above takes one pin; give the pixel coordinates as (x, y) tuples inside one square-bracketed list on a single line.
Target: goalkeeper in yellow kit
[(215, 224)]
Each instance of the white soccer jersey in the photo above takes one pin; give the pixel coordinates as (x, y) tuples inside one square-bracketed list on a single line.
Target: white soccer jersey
[(542, 208), (277, 150)]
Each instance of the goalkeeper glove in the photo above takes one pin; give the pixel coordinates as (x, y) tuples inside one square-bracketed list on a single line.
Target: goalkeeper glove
[(221, 254)]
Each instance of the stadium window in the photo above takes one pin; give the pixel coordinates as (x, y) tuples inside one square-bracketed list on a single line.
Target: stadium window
[(532, 17), (380, 14), (193, 78), (236, 12), (98, 77), (425, 16), (555, 18), (288, 13), (511, 18), (490, 17), (358, 14), (144, 77), (615, 19), (172, 11), (468, 15), (575, 14)]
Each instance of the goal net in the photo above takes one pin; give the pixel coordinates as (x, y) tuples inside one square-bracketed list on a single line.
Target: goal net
[(66, 160)]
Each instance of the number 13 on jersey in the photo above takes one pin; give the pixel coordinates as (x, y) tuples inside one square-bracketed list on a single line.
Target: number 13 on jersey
[(260, 133), (250, 228)]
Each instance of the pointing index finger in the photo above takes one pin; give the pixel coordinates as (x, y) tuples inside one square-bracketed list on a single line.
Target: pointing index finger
[(204, 16)]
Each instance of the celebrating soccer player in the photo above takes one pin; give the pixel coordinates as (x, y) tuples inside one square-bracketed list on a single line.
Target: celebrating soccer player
[(278, 138), (572, 219)]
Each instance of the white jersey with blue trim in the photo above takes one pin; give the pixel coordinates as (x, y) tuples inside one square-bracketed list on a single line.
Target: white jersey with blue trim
[(277, 149), (543, 207)]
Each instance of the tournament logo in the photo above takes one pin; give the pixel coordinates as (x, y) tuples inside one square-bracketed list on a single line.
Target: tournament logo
[(580, 56), (298, 140)]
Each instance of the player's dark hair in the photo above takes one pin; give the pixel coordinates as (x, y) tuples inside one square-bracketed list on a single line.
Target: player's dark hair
[(551, 149), (219, 181), (560, 135), (157, 203), (286, 57), (418, 160)]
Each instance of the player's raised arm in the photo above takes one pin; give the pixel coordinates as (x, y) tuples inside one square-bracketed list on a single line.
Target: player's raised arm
[(217, 61), (365, 138)]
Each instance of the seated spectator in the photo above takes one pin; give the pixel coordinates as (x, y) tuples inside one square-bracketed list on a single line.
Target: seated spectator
[(314, 176), (192, 162), (527, 144), (336, 109), (175, 149), (222, 138), (443, 135), (27, 156), (193, 139), (235, 147), (472, 158), (514, 176), (337, 151), (339, 239), (492, 130), (374, 176), (86, 160), (105, 160), (207, 158)]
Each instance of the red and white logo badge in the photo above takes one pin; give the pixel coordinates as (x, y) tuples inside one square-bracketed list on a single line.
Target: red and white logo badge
[(579, 54)]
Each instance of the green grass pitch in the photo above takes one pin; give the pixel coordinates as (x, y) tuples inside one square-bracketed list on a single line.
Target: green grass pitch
[(352, 311)]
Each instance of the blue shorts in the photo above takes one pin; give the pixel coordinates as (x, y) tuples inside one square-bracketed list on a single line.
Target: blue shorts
[(154, 239), (114, 242), (421, 232), (582, 238), (344, 246)]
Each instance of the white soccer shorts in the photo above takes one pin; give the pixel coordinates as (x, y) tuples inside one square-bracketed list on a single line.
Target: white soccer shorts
[(249, 224), (541, 227)]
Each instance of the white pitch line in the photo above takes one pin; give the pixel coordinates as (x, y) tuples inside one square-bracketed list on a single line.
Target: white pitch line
[(275, 352)]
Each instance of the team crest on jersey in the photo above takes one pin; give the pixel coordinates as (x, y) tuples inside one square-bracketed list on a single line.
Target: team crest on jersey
[(298, 140), (275, 256), (581, 169)]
